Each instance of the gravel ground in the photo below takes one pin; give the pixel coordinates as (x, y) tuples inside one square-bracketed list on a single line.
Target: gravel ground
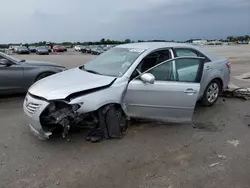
[(211, 153)]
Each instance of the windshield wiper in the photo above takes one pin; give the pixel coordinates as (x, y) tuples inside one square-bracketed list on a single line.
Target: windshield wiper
[(88, 70), (23, 60), (92, 71)]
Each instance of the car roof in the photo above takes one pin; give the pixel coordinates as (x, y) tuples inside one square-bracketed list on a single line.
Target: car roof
[(157, 45), (153, 45)]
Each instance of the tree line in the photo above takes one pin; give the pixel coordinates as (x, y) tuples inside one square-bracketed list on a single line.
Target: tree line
[(238, 38), (108, 41)]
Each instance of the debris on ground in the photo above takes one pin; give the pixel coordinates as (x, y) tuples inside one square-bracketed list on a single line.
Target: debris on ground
[(214, 164), (242, 93), (222, 157), (2, 163), (235, 143)]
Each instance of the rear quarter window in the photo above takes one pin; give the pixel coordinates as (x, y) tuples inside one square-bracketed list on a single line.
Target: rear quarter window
[(185, 52), (190, 53)]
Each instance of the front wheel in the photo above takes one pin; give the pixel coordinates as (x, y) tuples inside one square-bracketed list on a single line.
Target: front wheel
[(211, 94), (116, 122)]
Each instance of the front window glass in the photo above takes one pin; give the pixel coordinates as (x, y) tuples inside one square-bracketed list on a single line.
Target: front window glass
[(163, 72), (187, 69), (114, 62)]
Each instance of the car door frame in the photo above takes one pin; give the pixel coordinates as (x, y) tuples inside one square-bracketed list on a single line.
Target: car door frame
[(197, 52), (206, 70), (136, 108)]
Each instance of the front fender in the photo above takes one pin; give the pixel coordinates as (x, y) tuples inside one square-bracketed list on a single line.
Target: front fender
[(31, 73), (94, 101)]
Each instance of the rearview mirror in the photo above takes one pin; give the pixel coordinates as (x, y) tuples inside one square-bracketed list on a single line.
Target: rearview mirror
[(5, 62), (148, 78)]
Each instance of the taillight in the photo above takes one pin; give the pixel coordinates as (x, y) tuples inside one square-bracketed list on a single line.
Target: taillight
[(228, 65)]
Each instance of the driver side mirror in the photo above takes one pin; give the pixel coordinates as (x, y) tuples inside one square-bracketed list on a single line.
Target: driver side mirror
[(5, 62), (148, 78)]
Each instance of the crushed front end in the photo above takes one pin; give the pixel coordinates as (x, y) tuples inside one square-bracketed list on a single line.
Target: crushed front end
[(33, 107), (54, 117)]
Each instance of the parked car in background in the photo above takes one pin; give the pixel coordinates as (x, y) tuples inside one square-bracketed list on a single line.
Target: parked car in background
[(42, 50), (88, 49), (32, 49), (22, 50), (153, 80), (16, 76), (64, 49), (84, 49), (97, 50), (11, 48), (49, 48), (58, 49), (105, 48), (78, 48), (15, 49)]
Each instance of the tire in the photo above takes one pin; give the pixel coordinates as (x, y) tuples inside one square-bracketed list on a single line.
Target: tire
[(44, 75), (116, 122), (211, 93)]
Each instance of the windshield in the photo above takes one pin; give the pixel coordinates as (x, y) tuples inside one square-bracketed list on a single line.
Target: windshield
[(114, 62), (42, 47), (9, 57), (22, 47)]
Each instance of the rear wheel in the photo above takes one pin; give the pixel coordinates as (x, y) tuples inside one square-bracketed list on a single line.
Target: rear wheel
[(211, 94), (44, 75)]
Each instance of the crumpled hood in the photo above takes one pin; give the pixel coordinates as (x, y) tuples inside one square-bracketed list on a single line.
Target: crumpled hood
[(61, 85), (41, 63)]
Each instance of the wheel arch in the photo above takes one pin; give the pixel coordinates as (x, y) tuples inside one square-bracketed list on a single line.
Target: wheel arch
[(43, 72), (220, 82), (118, 105)]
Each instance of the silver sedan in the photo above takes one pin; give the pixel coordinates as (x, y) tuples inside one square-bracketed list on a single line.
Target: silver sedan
[(161, 81), (16, 76)]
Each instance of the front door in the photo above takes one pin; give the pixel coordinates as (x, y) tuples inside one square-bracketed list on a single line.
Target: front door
[(173, 95), (11, 79)]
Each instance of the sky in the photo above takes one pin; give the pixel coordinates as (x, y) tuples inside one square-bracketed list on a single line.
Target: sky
[(84, 20)]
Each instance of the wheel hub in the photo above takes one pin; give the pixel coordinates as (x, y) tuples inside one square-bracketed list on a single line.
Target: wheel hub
[(213, 92)]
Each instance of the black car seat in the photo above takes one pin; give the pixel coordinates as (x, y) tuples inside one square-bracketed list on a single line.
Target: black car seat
[(147, 64)]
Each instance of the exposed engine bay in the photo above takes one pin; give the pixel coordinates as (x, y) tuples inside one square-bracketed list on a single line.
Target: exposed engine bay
[(105, 123)]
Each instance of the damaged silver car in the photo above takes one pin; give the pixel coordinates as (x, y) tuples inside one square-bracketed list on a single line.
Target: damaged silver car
[(139, 80)]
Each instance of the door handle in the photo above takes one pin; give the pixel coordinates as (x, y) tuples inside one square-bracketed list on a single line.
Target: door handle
[(190, 91), (208, 68)]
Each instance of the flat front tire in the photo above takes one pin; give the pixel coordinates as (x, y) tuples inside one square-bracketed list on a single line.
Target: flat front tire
[(211, 94), (116, 122)]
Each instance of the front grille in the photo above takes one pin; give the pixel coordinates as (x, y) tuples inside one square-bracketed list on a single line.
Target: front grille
[(32, 107)]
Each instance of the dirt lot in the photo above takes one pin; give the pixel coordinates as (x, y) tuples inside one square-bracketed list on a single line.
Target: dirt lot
[(210, 154)]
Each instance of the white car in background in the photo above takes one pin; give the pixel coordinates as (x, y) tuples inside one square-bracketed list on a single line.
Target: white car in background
[(78, 48)]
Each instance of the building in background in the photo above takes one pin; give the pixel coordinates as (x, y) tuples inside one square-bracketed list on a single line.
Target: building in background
[(200, 42)]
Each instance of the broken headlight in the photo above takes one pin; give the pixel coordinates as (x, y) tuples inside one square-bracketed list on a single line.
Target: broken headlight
[(75, 107)]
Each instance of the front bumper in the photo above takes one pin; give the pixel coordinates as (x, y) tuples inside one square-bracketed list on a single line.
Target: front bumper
[(42, 53), (23, 52), (33, 107)]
